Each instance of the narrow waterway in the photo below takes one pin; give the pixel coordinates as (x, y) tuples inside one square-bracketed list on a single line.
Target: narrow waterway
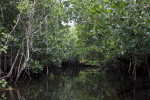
[(89, 84)]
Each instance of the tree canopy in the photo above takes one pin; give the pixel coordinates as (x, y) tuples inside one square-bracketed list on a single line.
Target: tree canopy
[(36, 34)]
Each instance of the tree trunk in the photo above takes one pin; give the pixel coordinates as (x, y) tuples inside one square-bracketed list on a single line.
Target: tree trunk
[(13, 65), (1, 64), (5, 63), (147, 65)]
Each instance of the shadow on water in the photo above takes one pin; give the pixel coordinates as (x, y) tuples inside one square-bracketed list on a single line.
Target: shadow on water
[(89, 84)]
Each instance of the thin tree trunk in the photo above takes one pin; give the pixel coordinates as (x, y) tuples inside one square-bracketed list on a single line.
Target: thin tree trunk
[(13, 65), (147, 65), (11, 58), (0, 61), (27, 57), (47, 69), (134, 72), (130, 66), (1, 64), (5, 63)]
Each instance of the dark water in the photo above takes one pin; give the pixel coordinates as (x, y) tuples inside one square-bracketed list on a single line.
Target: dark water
[(85, 85)]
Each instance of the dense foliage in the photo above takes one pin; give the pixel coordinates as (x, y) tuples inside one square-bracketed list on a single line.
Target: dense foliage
[(114, 29), (35, 34)]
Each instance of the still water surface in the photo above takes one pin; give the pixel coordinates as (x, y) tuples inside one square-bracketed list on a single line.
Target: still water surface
[(84, 85)]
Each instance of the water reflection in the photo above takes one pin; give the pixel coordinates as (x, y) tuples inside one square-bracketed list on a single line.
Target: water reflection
[(86, 85)]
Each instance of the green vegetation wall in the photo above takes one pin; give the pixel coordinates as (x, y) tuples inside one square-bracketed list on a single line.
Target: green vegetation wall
[(33, 35), (112, 29)]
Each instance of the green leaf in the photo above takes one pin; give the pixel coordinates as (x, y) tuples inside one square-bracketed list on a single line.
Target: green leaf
[(100, 7), (148, 21), (108, 10), (3, 85)]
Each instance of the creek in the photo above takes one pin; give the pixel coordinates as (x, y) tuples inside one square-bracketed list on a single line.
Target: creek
[(89, 84)]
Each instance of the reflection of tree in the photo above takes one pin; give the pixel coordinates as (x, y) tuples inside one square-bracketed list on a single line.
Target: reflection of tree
[(20, 97), (12, 95), (89, 85), (94, 84), (17, 94)]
